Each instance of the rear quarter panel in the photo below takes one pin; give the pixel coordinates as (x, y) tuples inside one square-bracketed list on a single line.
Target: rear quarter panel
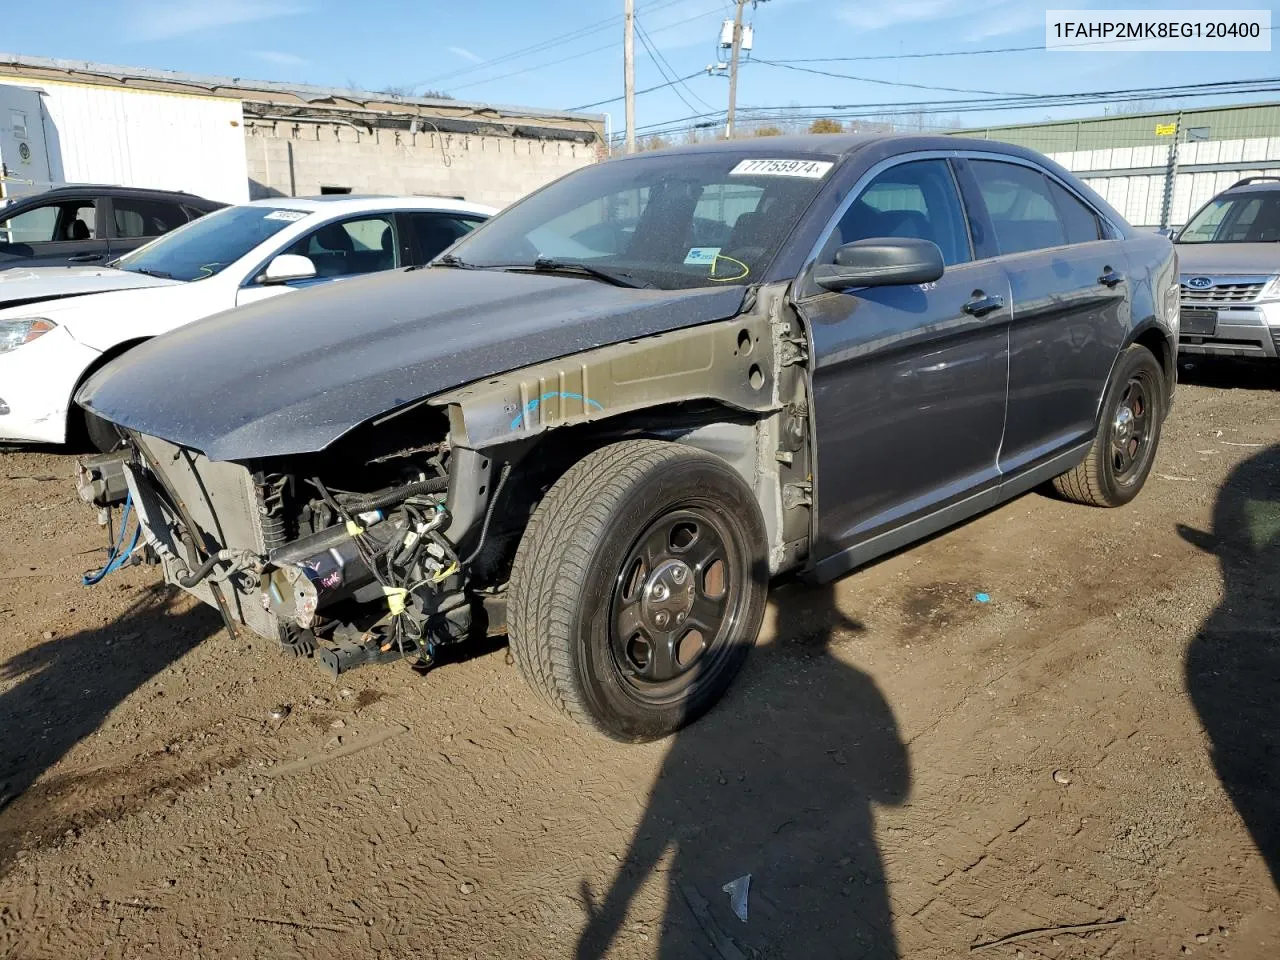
[(1153, 287)]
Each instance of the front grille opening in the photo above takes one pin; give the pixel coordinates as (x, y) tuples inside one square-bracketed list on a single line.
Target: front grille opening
[(1223, 293)]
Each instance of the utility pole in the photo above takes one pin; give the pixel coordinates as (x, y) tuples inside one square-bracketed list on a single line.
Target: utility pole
[(1170, 174), (629, 69), (733, 69)]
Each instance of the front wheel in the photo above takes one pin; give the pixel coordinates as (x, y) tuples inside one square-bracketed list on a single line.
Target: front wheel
[(638, 588), (1124, 448)]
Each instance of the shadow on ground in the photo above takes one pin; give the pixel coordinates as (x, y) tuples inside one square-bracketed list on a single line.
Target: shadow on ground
[(779, 781), (1226, 373), (1233, 665), (61, 690)]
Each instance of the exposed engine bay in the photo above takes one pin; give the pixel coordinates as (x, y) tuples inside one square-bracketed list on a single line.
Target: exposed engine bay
[(344, 556), (398, 539)]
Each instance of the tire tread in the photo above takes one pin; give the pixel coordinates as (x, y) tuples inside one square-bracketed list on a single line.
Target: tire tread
[(552, 560), (1083, 483)]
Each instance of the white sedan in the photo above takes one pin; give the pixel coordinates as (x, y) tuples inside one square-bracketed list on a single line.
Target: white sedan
[(59, 325)]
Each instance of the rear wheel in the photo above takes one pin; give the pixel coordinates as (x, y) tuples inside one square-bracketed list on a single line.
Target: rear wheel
[(1129, 432), (638, 588)]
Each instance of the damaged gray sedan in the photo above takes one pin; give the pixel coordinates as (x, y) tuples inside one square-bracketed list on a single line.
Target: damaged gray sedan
[(607, 418)]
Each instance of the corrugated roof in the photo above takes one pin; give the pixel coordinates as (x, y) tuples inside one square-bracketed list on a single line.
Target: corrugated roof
[(243, 89)]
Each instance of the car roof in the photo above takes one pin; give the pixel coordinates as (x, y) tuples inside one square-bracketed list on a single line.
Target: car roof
[(112, 189), (818, 144), (346, 203), (1263, 186), (844, 144)]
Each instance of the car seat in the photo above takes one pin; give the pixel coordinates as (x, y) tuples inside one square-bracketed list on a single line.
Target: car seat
[(329, 249), (434, 237)]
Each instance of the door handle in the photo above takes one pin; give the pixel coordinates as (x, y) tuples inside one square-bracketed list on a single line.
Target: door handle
[(981, 305), (1110, 278), (85, 257)]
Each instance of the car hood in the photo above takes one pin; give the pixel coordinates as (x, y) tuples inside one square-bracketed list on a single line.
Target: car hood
[(23, 285), (1218, 259), (294, 374)]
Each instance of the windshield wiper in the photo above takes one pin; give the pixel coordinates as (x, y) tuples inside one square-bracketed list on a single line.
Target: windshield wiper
[(618, 278), (449, 260), (154, 273)]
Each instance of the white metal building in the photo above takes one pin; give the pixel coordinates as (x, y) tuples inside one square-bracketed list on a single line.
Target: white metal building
[(78, 133), (1126, 157), (233, 140)]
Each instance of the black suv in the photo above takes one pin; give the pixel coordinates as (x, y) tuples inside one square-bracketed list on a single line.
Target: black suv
[(87, 224)]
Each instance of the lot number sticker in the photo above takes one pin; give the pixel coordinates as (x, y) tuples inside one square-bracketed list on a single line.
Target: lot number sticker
[(809, 169), (292, 216)]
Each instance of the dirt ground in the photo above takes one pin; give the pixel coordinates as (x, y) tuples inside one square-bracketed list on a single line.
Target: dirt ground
[(903, 770)]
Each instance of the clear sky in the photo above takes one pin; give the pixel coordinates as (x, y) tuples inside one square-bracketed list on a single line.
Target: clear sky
[(419, 44)]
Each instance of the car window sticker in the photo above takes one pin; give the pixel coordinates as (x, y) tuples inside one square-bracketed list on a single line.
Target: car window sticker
[(700, 256), (808, 169), (292, 216)]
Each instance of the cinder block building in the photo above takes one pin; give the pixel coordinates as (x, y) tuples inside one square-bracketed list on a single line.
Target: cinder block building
[(233, 140)]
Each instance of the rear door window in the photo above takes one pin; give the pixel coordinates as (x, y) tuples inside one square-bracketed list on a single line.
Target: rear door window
[(436, 232), (1029, 211), (1078, 221), (134, 218)]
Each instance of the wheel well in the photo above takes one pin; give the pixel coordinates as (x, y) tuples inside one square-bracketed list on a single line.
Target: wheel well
[(74, 413), (536, 466), (559, 449), (1158, 343)]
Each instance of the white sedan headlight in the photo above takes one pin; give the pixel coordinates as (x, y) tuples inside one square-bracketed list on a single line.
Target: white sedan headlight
[(1271, 291), (14, 333)]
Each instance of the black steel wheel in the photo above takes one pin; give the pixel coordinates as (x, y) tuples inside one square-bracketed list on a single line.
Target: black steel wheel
[(1132, 427), (1128, 434), (678, 602), (639, 587)]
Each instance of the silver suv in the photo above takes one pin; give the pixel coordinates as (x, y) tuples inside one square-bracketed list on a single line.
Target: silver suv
[(1229, 261)]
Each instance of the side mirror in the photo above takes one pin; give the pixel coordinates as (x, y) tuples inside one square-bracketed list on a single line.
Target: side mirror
[(286, 267), (881, 262)]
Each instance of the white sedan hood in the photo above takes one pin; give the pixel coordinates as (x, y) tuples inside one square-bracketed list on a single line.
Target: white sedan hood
[(22, 285), (103, 320)]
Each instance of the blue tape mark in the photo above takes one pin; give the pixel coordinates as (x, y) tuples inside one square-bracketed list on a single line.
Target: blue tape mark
[(532, 405)]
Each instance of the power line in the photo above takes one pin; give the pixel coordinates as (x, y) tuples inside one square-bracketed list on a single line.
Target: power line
[(668, 71), (577, 56), (660, 86), (584, 31), (886, 83), (971, 105)]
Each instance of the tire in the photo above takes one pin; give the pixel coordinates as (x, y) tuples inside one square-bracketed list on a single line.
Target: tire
[(1110, 476), (102, 435), (635, 536)]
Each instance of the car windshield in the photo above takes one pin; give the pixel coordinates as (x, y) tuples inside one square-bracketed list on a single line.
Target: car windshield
[(204, 247), (664, 221), (1242, 218)]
